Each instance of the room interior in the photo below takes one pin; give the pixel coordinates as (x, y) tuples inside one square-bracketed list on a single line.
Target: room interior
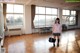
[(26, 25)]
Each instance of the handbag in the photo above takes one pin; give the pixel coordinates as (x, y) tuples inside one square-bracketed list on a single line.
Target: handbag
[(51, 39)]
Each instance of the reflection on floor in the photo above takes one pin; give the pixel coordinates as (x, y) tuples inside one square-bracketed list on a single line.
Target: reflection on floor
[(18, 47), (38, 43)]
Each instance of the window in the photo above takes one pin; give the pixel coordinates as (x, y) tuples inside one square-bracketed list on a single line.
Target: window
[(68, 17), (14, 15), (44, 16)]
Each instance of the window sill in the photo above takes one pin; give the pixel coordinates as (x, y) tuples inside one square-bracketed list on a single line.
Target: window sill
[(13, 27)]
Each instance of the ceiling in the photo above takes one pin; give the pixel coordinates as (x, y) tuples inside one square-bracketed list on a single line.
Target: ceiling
[(64, 3), (55, 3)]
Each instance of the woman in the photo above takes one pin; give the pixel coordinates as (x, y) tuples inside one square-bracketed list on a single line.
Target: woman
[(56, 30)]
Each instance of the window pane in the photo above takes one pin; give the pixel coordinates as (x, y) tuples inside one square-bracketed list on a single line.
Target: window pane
[(37, 10), (48, 21), (18, 19), (53, 19), (10, 19), (40, 10), (54, 11), (18, 8), (73, 12), (72, 20), (9, 8), (14, 19), (68, 20), (36, 21), (65, 20), (42, 20), (48, 11), (39, 21), (66, 12)]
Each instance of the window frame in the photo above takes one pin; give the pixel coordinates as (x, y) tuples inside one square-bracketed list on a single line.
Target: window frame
[(45, 15), (15, 26), (70, 16)]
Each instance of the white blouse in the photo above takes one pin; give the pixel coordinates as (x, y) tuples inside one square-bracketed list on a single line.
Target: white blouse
[(57, 28)]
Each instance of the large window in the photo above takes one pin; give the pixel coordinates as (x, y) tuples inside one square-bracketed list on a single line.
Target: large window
[(14, 15), (45, 16), (69, 17)]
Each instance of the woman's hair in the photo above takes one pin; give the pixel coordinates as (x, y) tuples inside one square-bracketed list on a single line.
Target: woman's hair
[(57, 20)]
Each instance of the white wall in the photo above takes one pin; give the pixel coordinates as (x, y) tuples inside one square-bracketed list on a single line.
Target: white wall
[(28, 29)]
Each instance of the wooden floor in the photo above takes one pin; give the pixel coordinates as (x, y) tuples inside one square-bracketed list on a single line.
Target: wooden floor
[(38, 43)]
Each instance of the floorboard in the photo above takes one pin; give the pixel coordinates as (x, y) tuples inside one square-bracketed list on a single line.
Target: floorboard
[(38, 43)]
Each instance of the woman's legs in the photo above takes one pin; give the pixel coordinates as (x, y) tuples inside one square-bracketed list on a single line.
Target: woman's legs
[(58, 40), (54, 41)]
